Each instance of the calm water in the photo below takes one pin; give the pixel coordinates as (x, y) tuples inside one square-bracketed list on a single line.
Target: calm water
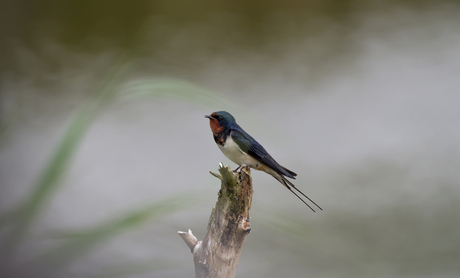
[(361, 101)]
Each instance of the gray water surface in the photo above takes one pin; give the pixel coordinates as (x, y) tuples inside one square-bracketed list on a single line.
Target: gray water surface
[(363, 105)]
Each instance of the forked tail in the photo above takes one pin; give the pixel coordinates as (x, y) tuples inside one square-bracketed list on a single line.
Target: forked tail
[(289, 184)]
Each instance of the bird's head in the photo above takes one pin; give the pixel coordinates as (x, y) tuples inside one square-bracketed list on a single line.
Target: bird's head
[(220, 120)]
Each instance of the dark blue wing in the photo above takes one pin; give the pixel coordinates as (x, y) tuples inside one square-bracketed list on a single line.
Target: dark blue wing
[(250, 146)]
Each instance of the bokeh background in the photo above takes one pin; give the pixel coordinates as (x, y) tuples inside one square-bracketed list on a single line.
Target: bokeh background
[(105, 151)]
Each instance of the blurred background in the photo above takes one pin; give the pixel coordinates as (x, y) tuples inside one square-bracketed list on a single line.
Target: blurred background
[(105, 151)]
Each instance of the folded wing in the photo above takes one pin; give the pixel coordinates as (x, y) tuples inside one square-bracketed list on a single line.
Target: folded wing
[(250, 146)]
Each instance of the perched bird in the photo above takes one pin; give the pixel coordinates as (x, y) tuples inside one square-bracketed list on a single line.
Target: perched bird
[(244, 150)]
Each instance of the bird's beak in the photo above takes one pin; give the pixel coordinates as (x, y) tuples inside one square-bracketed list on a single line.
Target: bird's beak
[(209, 117)]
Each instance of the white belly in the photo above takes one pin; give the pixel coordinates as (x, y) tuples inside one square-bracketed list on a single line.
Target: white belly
[(235, 154)]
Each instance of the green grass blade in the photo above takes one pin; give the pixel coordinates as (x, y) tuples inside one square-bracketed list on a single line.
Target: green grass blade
[(8, 120), (174, 89), (108, 90), (77, 244), (49, 181)]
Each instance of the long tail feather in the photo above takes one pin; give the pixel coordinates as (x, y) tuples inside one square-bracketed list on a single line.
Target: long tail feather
[(289, 184), (300, 198)]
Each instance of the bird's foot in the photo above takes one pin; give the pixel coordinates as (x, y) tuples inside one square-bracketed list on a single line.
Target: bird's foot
[(237, 170)]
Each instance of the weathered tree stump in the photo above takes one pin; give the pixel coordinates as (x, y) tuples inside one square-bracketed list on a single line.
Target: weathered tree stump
[(217, 255)]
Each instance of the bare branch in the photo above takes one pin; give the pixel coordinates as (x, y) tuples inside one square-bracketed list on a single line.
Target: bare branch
[(217, 255)]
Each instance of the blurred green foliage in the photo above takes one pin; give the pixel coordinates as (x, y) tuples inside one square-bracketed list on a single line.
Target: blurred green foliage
[(177, 35), (74, 245), (52, 175)]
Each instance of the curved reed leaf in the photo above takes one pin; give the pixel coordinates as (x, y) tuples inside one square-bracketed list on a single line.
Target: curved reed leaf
[(174, 89), (76, 244), (19, 220), (6, 122), (50, 178)]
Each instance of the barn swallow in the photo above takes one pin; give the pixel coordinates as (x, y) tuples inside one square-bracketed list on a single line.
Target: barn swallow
[(244, 150)]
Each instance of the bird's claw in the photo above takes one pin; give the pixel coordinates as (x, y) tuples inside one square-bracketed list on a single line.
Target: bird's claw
[(236, 170)]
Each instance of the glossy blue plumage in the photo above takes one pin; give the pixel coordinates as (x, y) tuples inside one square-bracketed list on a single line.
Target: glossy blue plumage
[(244, 150)]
